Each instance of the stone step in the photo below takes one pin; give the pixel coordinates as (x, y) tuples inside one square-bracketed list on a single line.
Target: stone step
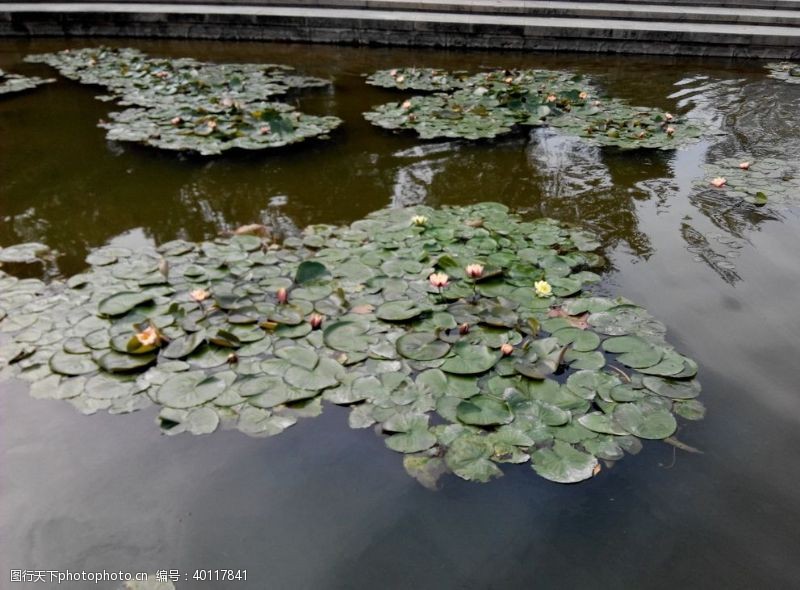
[(565, 9), (499, 6), (407, 27)]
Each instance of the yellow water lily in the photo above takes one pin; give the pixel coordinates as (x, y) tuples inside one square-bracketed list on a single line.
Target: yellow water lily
[(543, 289)]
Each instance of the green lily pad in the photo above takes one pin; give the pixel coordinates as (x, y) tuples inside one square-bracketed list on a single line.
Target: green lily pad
[(422, 346), (563, 463), (187, 390), (468, 457), (644, 422), (482, 410), (68, 364), (469, 359), (122, 303)]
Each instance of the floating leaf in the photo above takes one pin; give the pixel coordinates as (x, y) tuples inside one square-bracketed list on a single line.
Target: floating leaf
[(482, 410), (186, 390), (422, 346), (644, 422), (468, 457), (469, 359), (563, 463), (121, 303)]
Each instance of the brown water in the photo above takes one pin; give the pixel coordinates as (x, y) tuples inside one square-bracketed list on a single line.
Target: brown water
[(326, 507)]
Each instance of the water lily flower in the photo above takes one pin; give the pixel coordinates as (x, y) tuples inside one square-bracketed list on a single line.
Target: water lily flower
[(583, 95), (419, 220), (463, 328), (392, 73), (474, 271), (670, 130), (551, 98), (212, 124), (175, 120), (400, 78), (283, 295), (406, 104), (596, 103), (264, 130), (668, 116), (439, 280), (543, 289), (506, 349), (745, 165), (148, 337), (315, 320), (719, 181), (508, 80), (199, 295)]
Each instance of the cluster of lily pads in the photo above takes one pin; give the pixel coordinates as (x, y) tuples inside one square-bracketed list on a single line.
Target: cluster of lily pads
[(760, 182), (184, 104), (493, 103), (467, 336), (10, 83), (786, 71)]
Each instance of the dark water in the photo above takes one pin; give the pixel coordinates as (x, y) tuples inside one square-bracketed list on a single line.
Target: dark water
[(325, 507)]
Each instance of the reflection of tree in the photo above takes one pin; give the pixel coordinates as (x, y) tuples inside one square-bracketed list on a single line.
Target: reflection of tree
[(756, 119)]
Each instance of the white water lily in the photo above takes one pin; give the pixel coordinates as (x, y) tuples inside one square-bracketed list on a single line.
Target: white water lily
[(419, 220)]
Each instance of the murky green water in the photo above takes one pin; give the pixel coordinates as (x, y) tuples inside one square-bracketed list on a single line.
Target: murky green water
[(326, 507)]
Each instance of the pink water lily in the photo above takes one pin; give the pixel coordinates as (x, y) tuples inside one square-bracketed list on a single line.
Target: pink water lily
[(175, 120), (668, 116), (148, 337), (406, 104), (745, 165), (506, 349), (719, 182), (283, 295), (474, 271), (315, 320), (670, 130), (439, 280), (464, 328)]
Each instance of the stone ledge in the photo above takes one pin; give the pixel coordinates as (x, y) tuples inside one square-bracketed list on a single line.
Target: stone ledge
[(377, 27)]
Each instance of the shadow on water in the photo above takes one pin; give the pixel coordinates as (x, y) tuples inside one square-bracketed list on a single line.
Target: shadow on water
[(326, 507)]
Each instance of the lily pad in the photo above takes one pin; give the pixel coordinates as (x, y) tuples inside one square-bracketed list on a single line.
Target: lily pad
[(469, 359), (563, 463)]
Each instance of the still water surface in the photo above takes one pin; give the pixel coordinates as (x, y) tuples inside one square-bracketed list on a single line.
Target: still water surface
[(325, 507)]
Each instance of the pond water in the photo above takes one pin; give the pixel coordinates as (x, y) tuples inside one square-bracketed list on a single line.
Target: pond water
[(324, 506)]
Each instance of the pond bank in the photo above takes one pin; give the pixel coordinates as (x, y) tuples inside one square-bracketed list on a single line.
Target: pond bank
[(721, 28)]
